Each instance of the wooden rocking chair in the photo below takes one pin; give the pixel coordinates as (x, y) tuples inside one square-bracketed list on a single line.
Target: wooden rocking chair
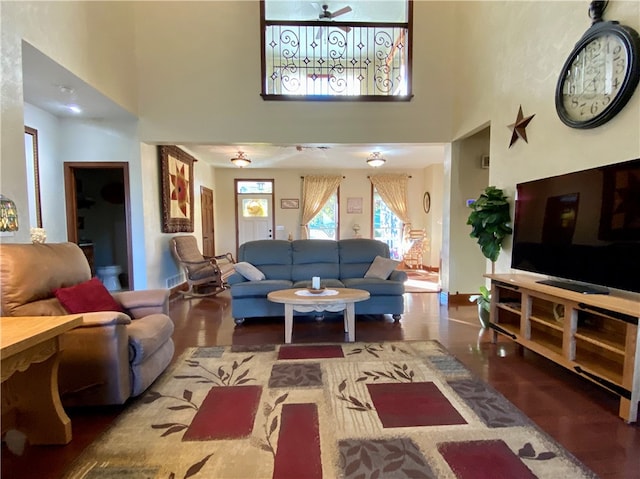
[(204, 274)]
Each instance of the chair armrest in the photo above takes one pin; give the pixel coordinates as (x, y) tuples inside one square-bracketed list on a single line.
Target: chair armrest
[(144, 302), (225, 256), (397, 275), (103, 318)]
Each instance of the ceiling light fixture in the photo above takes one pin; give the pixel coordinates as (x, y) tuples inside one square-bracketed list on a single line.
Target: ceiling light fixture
[(241, 161), (375, 160)]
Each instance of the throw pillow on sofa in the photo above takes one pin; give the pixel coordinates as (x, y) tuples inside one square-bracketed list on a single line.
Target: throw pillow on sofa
[(87, 297), (381, 268), (249, 271)]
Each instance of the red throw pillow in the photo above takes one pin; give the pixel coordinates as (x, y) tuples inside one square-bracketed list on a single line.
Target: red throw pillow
[(87, 297)]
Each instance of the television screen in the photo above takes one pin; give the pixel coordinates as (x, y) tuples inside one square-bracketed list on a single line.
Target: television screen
[(582, 226)]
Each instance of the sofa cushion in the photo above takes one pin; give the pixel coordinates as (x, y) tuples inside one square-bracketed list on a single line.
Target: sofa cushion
[(249, 271), (376, 287), (87, 297), (381, 268), (272, 257), (259, 288), (357, 254), (315, 257)]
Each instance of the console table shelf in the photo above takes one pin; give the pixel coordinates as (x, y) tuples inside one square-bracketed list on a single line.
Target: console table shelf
[(594, 335)]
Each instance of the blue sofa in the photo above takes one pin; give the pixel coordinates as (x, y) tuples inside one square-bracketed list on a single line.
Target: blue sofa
[(291, 264)]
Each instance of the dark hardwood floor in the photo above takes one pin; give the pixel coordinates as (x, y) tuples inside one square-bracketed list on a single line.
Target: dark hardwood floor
[(578, 414)]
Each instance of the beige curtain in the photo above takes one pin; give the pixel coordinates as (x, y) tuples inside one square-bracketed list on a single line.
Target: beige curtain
[(316, 191), (393, 191)]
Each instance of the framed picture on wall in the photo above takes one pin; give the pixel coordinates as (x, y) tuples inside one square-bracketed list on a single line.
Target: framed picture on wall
[(289, 203), (354, 205), (176, 171)]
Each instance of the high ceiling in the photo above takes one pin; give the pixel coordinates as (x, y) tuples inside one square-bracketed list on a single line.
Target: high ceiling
[(52, 88)]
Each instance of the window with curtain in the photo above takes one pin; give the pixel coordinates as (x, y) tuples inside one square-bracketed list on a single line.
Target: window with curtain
[(316, 192), (324, 225), (387, 227), (392, 209)]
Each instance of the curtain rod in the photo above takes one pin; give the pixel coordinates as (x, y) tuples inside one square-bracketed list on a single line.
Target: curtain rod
[(409, 176), (302, 177)]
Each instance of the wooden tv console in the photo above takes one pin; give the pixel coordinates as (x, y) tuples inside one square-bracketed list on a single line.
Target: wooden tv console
[(594, 335)]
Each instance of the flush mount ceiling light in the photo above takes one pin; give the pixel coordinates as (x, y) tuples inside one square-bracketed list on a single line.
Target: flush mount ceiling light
[(375, 160), (241, 161)]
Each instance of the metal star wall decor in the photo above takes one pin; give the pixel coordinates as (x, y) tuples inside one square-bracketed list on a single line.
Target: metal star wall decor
[(519, 127)]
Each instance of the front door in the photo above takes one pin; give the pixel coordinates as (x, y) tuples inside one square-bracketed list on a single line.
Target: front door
[(206, 209), (255, 217)]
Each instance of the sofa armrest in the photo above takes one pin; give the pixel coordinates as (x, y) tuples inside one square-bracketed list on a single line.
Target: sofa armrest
[(144, 302), (236, 278), (103, 318), (397, 275)]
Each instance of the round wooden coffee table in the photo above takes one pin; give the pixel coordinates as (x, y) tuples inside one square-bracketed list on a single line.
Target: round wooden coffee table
[(338, 299)]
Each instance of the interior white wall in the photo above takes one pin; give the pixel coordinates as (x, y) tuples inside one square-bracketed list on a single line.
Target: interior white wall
[(288, 184), (160, 264), (467, 181), (434, 184), (51, 177), (202, 82), (92, 39), (511, 55), (103, 141)]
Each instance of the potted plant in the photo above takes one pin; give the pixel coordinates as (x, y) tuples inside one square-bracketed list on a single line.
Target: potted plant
[(484, 302), (490, 222)]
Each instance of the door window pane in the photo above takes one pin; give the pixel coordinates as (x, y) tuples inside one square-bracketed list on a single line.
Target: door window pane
[(255, 207), (260, 187)]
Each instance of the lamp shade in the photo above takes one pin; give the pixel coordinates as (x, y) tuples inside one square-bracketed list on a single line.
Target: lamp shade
[(8, 214), (376, 160), (241, 161)]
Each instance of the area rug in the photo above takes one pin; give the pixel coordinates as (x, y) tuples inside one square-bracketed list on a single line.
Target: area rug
[(420, 281), (354, 410)]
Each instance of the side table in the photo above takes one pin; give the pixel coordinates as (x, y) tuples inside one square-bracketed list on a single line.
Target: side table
[(29, 353)]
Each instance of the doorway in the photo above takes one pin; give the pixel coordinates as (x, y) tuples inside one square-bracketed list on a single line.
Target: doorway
[(206, 213), (254, 210), (98, 211)]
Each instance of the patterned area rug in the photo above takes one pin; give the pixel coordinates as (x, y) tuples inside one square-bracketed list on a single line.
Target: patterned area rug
[(421, 281), (353, 410)]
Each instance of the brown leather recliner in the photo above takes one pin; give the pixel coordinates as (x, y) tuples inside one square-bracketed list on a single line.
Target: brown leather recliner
[(112, 356)]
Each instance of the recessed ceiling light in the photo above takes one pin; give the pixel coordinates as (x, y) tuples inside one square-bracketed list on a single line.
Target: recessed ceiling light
[(74, 108)]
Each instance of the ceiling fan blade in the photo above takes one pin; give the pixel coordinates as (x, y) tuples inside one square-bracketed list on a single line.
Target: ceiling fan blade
[(342, 11), (346, 29), (319, 34)]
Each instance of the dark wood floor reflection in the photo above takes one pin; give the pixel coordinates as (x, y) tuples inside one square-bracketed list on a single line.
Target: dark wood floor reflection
[(579, 415)]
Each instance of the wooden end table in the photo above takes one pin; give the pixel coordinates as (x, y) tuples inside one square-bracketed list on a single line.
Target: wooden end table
[(29, 354), (338, 299)]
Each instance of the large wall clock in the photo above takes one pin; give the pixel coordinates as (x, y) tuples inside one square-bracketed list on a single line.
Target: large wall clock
[(600, 75)]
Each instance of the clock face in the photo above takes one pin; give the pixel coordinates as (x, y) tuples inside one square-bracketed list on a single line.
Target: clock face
[(594, 78), (599, 76)]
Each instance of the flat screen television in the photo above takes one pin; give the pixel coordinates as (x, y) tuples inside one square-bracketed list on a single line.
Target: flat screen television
[(581, 228)]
